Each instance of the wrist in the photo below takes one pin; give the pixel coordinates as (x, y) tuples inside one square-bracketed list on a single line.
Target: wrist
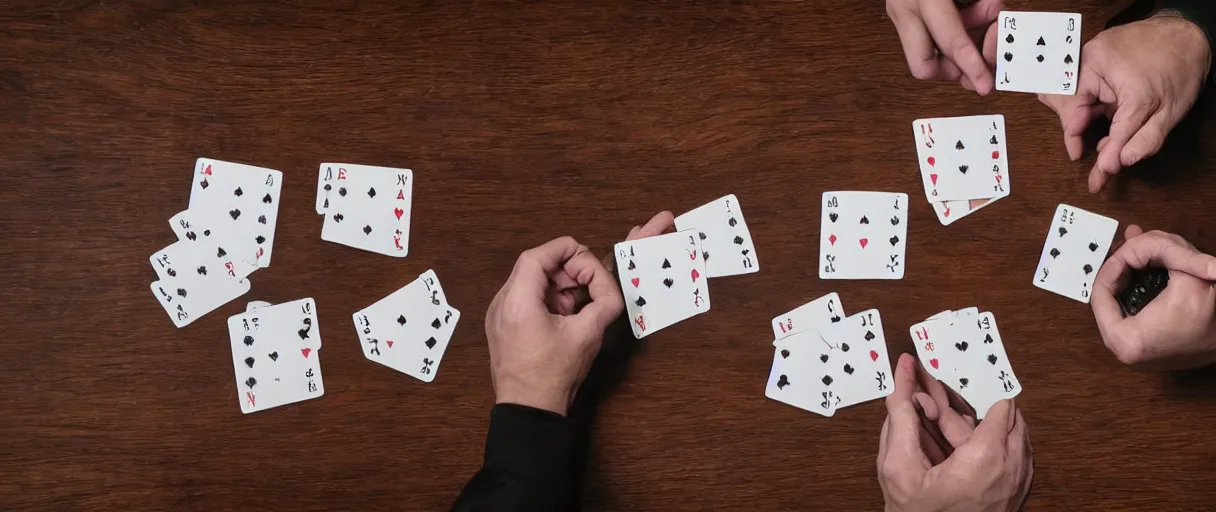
[(1194, 30), (543, 401)]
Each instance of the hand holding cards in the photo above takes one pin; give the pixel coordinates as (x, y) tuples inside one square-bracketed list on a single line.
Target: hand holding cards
[(663, 280), (964, 350)]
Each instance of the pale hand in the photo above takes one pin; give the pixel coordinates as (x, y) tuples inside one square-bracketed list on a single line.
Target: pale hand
[(942, 42)]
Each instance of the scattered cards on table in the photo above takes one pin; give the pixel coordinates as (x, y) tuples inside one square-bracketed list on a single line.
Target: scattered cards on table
[(409, 330), (1076, 246), (226, 234), (964, 164), (826, 363), (863, 235), (366, 207), (663, 279), (276, 354), (726, 243), (1038, 52), (964, 350)]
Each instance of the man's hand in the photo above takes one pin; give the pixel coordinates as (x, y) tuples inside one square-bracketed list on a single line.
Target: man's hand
[(990, 468), (943, 43), (1175, 330), (540, 347), (1145, 76)]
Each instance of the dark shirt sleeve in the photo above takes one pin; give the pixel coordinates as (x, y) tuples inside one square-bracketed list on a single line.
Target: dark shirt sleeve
[(1200, 12), (527, 463)]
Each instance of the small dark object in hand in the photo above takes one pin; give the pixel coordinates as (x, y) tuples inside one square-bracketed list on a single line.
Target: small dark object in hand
[(964, 3), (1142, 288)]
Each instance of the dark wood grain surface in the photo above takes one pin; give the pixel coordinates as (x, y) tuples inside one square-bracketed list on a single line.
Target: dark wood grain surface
[(524, 121)]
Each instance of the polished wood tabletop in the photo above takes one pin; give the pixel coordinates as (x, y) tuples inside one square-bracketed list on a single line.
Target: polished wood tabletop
[(524, 121)]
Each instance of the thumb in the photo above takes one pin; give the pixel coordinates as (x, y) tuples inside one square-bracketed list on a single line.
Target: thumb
[(997, 424), (1147, 141), (903, 421)]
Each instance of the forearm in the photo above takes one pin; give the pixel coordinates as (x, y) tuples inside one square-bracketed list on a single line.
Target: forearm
[(527, 463)]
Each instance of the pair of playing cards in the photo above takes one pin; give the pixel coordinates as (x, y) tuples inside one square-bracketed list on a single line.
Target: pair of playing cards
[(964, 350), (1076, 246), (226, 234), (409, 330), (276, 354), (1038, 52), (964, 164), (822, 362), (726, 243), (863, 235), (366, 207)]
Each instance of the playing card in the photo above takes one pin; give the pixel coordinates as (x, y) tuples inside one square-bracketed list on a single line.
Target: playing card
[(982, 371), (242, 200), (409, 330), (189, 288), (824, 310), (800, 375), (962, 158), (726, 243), (275, 355), (863, 235), (929, 337), (255, 304), (234, 255), (366, 207), (1076, 246), (663, 280), (861, 366), (950, 211), (1038, 52)]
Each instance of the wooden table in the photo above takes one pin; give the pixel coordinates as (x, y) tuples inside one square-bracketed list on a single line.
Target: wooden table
[(524, 121)]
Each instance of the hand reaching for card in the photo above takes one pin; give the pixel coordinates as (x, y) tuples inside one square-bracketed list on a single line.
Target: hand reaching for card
[(986, 468), (540, 349), (1146, 89), (1175, 330), (943, 42)]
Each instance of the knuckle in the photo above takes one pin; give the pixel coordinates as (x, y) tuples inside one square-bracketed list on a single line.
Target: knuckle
[(1126, 352)]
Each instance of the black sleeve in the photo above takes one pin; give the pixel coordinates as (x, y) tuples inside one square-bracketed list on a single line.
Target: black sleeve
[(527, 463), (1200, 12)]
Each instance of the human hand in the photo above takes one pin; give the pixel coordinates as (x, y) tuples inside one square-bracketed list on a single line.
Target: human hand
[(540, 347), (1177, 329), (989, 469), (942, 42), (1145, 76)]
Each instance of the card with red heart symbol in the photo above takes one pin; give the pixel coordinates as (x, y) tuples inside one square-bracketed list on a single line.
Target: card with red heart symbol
[(366, 207), (409, 330), (276, 355), (862, 368), (239, 199), (863, 235), (663, 279), (822, 311), (962, 158), (726, 243), (964, 350)]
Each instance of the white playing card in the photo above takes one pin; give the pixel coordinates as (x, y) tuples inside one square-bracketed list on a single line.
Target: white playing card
[(824, 310), (1076, 246), (984, 364), (860, 364), (239, 199), (962, 158), (366, 207), (800, 376), (188, 288), (929, 337), (726, 243), (271, 366), (950, 211), (409, 330), (255, 304), (223, 248), (663, 280), (863, 235), (1038, 52)]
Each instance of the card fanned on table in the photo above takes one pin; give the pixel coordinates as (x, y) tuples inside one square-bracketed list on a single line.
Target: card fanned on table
[(366, 207), (726, 243), (964, 163), (276, 354), (964, 350), (1038, 52), (409, 330), (1076, 246), (663, 279), (863, 235)]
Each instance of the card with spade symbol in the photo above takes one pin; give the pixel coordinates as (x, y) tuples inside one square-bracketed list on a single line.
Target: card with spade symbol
[(409, 330), (822, 311), (960, 159), (193, 283), (276, 355), (726, 243), (861, 368), (663, 280), (1038, 52), (366, 207), (215, 245), (863, 235), (1076, 246), (800, 374), (964, 350), (239, 199)]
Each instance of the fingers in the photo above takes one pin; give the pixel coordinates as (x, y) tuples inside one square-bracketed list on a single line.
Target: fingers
[(982, 13), (1132, 231), (1166, 250), (1129, 119), (989, 45), (606, 301), (1147, 141), (918, 46), (534, 267), (998, 424), (903, 439), (945, 24), (953, 425), (662, 222)]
